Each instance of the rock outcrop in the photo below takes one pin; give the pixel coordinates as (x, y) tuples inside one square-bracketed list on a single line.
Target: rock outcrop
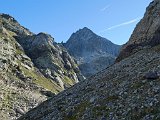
[(146, 33), (128, 90), (51, 59), (92, 52), (32, 68)]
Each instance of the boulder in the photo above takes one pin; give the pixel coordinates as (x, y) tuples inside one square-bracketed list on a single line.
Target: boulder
[(151, 75)]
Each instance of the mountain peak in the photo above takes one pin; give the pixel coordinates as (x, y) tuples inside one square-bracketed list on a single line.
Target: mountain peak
[(83, 34), (88, 48), (84, 30)]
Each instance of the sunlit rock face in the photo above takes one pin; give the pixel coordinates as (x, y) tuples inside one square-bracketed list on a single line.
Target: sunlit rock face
[(146, 33)]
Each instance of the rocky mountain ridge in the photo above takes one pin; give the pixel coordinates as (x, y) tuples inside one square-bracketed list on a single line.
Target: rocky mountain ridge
[(127, 90), (92, 52)]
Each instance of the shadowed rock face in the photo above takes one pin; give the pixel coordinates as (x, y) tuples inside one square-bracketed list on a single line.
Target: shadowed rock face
[(146, 33), (129, 89), (92, 52)]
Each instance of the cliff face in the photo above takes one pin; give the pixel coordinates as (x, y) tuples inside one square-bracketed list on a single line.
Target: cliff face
[(51, 59), (92, 52), (32, 68), (146, 33), (129, 89)]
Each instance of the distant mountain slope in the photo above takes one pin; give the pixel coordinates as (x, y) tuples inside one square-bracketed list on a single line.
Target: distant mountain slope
[(92, 52), (32, 68)]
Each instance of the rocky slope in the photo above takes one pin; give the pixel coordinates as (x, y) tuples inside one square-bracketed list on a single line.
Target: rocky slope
[(25, 82), (146, 34), (18, 91), (92, 52), (128, 90)]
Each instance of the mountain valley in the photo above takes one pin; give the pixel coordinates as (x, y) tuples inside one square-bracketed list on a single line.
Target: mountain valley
[(86, 78)]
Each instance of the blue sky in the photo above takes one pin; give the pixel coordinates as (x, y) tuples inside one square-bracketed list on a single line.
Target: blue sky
[(112, 19)]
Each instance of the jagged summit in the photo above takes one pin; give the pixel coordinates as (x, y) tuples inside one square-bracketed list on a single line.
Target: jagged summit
[(84, 30), (85, 39), (83, 34), (92, 52)]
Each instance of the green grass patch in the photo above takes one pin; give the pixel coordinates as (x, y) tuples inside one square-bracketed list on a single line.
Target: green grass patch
[(137, 85), (42, 81), (78, 111), (68, 81)]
